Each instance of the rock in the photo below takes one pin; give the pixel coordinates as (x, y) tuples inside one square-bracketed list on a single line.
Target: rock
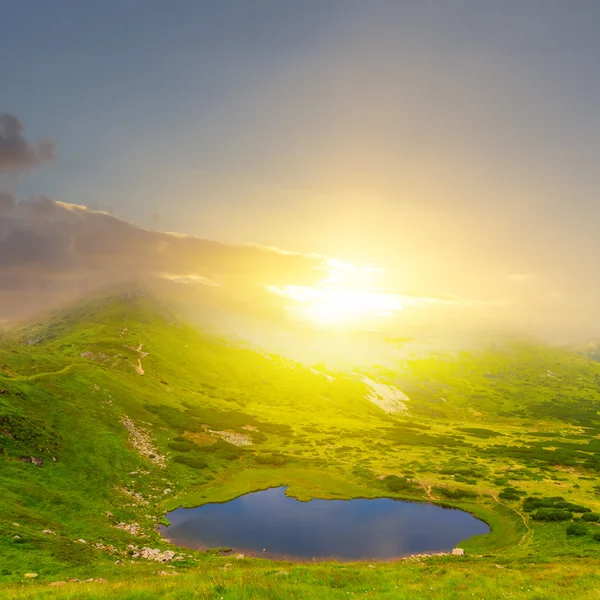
[(57, 583), (74, 580), (458, 552), (81, 541), (16, 525), (156, 555), (118, 562), (237, 439), (16, 537), (38, 462), (108, 514), (371, 566), (133, 528), (30, 575), (48, 532), (3, 391), (239, 556)]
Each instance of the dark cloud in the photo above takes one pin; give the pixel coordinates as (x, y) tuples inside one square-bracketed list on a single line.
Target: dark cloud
[(50, 250), (17, 154)]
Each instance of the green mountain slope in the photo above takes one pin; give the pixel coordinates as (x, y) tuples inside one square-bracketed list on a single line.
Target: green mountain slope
[(114, 411)]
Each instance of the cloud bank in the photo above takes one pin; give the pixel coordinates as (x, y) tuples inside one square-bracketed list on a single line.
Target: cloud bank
[(51, 252)]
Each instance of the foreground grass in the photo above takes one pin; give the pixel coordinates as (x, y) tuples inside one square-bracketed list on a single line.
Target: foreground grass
[(432, 579)]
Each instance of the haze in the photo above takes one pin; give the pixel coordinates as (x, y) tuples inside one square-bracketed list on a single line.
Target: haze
[(385, 166)]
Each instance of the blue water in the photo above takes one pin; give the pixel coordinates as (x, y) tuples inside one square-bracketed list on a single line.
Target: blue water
[(342, 529)]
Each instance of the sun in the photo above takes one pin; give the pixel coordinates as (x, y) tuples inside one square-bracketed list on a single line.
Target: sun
[(347, 297), (337, 307)]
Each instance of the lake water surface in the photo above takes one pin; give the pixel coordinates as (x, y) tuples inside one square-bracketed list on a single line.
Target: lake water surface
[(343, 529)]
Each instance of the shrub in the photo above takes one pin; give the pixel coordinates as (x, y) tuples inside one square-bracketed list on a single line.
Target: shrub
[(221, 449), (271, 459), (454, 494), (576, 529), (596, 537), (195, 462), (510, 493), (398, 484), (556, 502), (590, 516), (362, 472), (551, 514), (479, 432), (182, 446)]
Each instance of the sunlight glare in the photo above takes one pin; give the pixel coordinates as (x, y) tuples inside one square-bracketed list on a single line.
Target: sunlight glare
[(346, 297)]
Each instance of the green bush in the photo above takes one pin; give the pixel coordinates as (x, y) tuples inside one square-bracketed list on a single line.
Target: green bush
[(555, 502), (479, 432), (191, 461), (276, 460), (596, 537), (362, 472), (454, 494), (576, 529), (182, 446), (590, 516), (398, 484), (510, 493), (221, 449), (552, 514)]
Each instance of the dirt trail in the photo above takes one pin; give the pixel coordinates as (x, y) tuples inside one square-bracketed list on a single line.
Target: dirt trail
[(138, 368), (518, 512), (36, 376), (427, 489)]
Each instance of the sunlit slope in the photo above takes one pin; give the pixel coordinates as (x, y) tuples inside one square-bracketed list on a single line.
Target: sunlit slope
[(114, 410), (509, 379), (117, 386)]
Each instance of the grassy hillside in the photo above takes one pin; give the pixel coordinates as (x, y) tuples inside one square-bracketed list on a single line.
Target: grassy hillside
[(114, 411)]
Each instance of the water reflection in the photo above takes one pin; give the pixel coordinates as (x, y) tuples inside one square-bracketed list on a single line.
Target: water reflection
[(344, 529)]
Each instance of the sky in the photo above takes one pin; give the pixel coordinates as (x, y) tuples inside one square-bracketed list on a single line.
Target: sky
[(453, 144)]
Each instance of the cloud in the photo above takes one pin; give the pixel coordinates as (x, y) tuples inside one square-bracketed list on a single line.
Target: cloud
[(7, 201), (17, 155), (51, 251)]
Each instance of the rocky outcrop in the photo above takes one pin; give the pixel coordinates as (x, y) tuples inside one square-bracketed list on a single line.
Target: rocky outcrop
[(157, 555), (237, 439), (132, 528), (140, 439)]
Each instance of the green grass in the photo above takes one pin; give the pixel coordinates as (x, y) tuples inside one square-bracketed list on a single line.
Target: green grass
[(433, 579), (486, 432)]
